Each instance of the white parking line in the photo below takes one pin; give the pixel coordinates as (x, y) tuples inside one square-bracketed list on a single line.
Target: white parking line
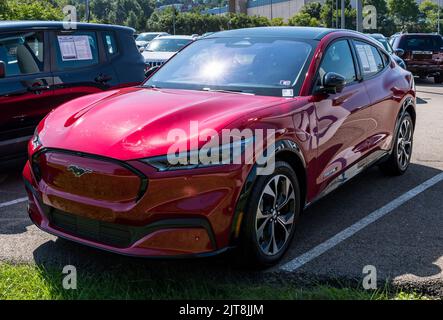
[(308, 256), (10, 203)]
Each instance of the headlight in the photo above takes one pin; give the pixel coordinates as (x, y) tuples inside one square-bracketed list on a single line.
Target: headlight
[(205, 157)]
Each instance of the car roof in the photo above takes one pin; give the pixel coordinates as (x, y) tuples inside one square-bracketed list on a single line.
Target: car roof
[(312, 33), (376, 35), (14, 25), (175, 37), (419, 34), (145, 33)]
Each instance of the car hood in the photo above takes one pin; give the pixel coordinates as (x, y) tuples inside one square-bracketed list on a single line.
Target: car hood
[(157, 56), (134, 123), (141, 43)]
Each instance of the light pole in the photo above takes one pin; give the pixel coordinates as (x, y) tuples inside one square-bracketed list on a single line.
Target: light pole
[(359, 22), (87, 10), (271, 9), (336, 13), (438, 16), (173, 18), (343, 22)]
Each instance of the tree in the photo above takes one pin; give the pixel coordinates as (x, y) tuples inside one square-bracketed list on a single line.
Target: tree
[(428, 16), (132, 20), (278, 22), (103, 11), (313, 9), (385, 23), (303, 19), (31, 10), (405, 12), (191, 22), (3, 9), (123, 7), (329, 16)]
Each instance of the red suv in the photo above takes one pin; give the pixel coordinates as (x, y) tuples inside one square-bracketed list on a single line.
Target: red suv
[(423, 54), (143, 171)]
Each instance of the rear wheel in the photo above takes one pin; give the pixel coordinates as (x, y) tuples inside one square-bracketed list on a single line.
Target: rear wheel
[(270, 218), (398, 162)]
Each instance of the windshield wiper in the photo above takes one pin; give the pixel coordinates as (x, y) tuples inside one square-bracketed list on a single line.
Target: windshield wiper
[(228, 91)]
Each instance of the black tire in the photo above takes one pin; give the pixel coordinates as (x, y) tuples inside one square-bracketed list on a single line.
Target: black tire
[(438, 79), (394, 166), (250, 252)]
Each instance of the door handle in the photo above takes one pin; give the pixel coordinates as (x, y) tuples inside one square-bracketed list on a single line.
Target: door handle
[(102, 78), (38, 88)]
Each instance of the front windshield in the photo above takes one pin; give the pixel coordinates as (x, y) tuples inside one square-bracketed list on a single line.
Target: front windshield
[(262, 66), (167, 45), (146, 37)]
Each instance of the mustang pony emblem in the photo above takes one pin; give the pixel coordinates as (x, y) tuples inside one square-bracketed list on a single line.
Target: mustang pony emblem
[(78, 171)]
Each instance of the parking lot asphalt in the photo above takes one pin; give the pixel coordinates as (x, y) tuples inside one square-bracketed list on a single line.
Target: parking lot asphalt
[(337, 236)]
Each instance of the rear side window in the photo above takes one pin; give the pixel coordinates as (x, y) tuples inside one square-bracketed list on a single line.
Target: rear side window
[(76, 50), (369, 57), (420, 43), (338, 59), (110, 43), (22, 53)]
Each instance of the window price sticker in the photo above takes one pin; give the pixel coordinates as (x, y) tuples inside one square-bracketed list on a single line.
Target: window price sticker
[(367, 58), (74, 48)]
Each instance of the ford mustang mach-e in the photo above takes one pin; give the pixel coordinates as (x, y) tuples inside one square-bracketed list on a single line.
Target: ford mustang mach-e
[(100, 169)]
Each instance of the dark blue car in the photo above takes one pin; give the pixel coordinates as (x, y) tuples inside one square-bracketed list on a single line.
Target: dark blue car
[(43, 65)]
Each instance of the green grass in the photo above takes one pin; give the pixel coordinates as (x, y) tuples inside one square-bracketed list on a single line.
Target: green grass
[(33, 282)]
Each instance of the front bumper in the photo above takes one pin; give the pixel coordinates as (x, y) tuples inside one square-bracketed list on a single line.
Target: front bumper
[(152, 227)]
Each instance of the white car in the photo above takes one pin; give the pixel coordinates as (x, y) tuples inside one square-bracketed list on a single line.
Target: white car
[(159, 50), (144, 38)]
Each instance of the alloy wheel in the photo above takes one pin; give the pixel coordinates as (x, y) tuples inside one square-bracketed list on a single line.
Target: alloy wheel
[(275, 215), (404, 143)]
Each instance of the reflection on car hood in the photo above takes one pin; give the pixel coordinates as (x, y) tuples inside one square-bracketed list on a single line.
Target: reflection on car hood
[(134, 123)]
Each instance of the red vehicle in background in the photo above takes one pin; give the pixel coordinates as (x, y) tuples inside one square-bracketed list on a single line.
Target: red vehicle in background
[(422, 53), (99, 169)]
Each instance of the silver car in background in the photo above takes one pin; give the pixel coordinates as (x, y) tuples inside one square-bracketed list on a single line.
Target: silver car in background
[(144, 38), (159, 50)]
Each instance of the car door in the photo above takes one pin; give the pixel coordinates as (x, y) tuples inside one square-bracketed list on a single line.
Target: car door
[(80, 65), (380, 80), (343, 118), (25, 91)]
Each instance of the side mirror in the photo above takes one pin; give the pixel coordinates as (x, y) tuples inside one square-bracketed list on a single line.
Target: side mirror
[(333, 83), (399, 52), (141, 49), (151, 71), (2, 69)]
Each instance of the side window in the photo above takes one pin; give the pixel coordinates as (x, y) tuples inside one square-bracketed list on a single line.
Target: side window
[(369, 57), (76, 50), (22, 53), (338, 59), (109, 43)]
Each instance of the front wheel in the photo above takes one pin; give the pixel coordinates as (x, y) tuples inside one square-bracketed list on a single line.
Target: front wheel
[(398, 162), (271, 217)]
